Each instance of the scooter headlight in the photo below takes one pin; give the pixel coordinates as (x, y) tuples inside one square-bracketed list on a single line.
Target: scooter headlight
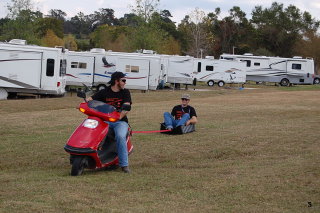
[(90, 123)]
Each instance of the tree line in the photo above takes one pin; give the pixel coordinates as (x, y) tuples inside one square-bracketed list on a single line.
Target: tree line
[(274, 31)]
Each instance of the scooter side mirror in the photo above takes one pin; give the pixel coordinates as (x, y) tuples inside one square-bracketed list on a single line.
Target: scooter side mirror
[(81, 94)]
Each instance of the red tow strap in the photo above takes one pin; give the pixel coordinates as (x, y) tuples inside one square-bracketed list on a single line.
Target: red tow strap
[(151, 131)]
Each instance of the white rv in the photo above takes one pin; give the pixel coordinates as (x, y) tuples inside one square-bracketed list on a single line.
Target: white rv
[(94, 68), (219, 72), (285, 71), (177, 69), (31, 69)]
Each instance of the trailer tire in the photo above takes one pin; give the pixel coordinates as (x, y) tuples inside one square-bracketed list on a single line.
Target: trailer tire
[(221, 83), (101, 87), (210, 83), (316, 81), (284, 82)]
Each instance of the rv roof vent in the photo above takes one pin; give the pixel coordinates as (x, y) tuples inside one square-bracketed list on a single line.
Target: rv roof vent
[(148, 52), (18, 41), (209, 57), (297, 57), (248, 54), (97, 50)]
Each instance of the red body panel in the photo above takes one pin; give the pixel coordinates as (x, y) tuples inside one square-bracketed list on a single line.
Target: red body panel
[(84, 137)]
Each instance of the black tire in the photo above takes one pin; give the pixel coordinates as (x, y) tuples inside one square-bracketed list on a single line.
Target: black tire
[(220, 84), (101, 87), (210, 83), (78, 164), (316, 81), (284, 82)]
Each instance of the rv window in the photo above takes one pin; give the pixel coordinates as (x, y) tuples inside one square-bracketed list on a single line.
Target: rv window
[(134, 69), (296, 66), (248, 62), (209, 68), (63, 65), (74, 64), (50, 67), (127, 68), (82, 65), (199, 66), (256, 64)]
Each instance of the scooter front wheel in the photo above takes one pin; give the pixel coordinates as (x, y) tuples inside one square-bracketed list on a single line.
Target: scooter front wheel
[(78, 164)]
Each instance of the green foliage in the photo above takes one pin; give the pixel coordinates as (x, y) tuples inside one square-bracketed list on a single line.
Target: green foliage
[(70, 42), (278, 29), (53, 24)]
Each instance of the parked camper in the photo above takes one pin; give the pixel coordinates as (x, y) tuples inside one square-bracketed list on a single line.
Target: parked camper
[(285, 71), (94, 68), (177, 69), (220, 72), (31, 69)]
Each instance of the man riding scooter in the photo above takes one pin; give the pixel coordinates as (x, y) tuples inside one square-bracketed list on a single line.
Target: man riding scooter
[(119, 97)]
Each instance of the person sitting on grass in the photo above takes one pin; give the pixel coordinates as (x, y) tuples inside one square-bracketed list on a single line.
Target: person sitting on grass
[(183, 114)]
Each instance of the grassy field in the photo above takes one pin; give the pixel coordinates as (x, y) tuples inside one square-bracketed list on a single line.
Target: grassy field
[(254, 150)]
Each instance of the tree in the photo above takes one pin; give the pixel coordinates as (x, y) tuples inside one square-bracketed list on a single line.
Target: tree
[(70, 42), (309, 46), (193, 27), (17, 6), (278, 29), (57, 14), (51, 40), (145, 8), (24, 26), (44, 24)]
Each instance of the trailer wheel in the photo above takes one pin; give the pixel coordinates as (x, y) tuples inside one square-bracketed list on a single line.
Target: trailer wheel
[(284, 82), (210, 83), (316, 81), (101, 87), (78, 164), (220, 83)]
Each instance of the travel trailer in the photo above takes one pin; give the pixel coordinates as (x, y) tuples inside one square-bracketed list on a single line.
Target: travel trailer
[(31, 69), (285, 71), (177, 69), (94, 68), (214, 71)]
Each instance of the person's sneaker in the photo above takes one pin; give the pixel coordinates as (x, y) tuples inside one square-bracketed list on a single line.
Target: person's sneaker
[(125, 169), (169, 128)]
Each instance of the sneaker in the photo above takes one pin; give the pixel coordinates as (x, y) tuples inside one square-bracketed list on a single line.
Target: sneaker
[(169, 128), (125, 169)]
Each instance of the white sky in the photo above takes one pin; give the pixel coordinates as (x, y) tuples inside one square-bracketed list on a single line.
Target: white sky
[(177, 8)]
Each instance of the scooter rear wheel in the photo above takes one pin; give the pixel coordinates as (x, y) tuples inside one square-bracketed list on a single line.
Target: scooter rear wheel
[(78, 164)]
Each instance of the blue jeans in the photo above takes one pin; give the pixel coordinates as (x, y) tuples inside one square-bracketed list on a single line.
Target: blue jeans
[(121, 130), (170, 122)]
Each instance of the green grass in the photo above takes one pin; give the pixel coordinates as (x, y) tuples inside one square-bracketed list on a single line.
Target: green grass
[(254, 150)]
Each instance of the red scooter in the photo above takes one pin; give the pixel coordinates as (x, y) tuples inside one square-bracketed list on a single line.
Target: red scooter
[(92, 145)]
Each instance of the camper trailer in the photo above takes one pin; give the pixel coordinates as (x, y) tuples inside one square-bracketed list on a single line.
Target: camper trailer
[(214, 71), (94, 68), (31, 69), (177, 69), (285, 71)]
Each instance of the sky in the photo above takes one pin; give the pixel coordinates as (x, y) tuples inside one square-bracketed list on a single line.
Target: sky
[(177, 8)]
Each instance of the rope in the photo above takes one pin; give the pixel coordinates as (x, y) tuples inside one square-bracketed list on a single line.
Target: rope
[(151, 131)]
